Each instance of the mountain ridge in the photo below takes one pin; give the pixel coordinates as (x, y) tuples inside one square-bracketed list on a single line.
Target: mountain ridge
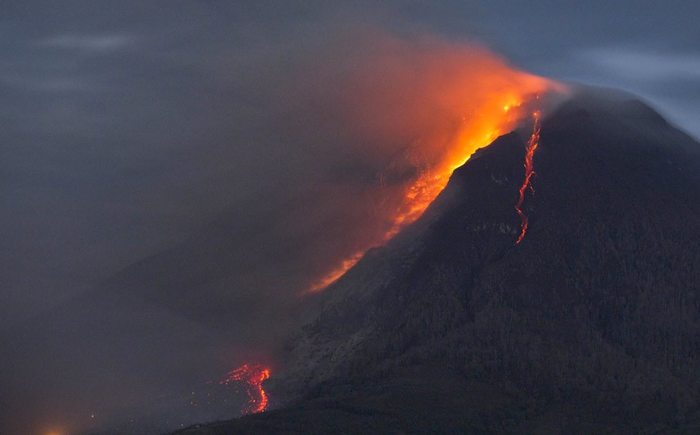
[(592, 323)]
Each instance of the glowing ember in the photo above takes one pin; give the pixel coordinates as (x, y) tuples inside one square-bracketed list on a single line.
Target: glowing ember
[(253, 376), (529, 172)]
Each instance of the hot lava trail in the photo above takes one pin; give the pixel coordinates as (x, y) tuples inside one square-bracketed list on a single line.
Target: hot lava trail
[(529, 172), (253, 376), (433, 119), (495, 119)]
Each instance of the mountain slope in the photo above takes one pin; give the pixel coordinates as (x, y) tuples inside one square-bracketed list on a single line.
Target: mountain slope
[(592, 323)]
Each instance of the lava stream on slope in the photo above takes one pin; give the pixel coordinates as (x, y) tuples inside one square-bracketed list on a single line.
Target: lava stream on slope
[(529, 172)]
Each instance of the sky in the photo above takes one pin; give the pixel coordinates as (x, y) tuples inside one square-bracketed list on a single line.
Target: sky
[(131, 128)]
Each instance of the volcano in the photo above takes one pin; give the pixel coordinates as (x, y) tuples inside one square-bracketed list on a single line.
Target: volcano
[(590, 324)]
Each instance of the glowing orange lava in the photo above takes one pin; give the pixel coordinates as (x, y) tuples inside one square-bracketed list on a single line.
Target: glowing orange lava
[(433, 105), (253, 376), (529, 172), (498, 117)]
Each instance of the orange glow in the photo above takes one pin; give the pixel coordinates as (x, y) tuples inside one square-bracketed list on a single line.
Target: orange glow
[(529, 172), (456, 103), (336, 273), (253, 376)]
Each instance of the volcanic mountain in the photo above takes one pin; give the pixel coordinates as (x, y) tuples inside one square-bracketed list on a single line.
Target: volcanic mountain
[(591, 324)]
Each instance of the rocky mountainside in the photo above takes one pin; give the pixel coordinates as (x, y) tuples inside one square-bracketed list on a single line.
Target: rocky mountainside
[(590, 324)]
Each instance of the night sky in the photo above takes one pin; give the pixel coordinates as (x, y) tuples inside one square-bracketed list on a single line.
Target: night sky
[(129, 126)]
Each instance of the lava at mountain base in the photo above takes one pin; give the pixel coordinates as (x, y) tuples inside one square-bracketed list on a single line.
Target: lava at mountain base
[(529, 172), (252, 376)]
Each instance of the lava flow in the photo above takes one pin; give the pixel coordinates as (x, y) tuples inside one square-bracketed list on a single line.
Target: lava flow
[(529, 172), (457, 102), (253, 376), (496, 119)]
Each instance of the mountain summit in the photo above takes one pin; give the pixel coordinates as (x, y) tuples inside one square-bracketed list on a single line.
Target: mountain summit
[(591, 324)]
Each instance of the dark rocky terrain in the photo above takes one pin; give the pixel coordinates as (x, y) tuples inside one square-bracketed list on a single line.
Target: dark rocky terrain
[(590, 325)]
